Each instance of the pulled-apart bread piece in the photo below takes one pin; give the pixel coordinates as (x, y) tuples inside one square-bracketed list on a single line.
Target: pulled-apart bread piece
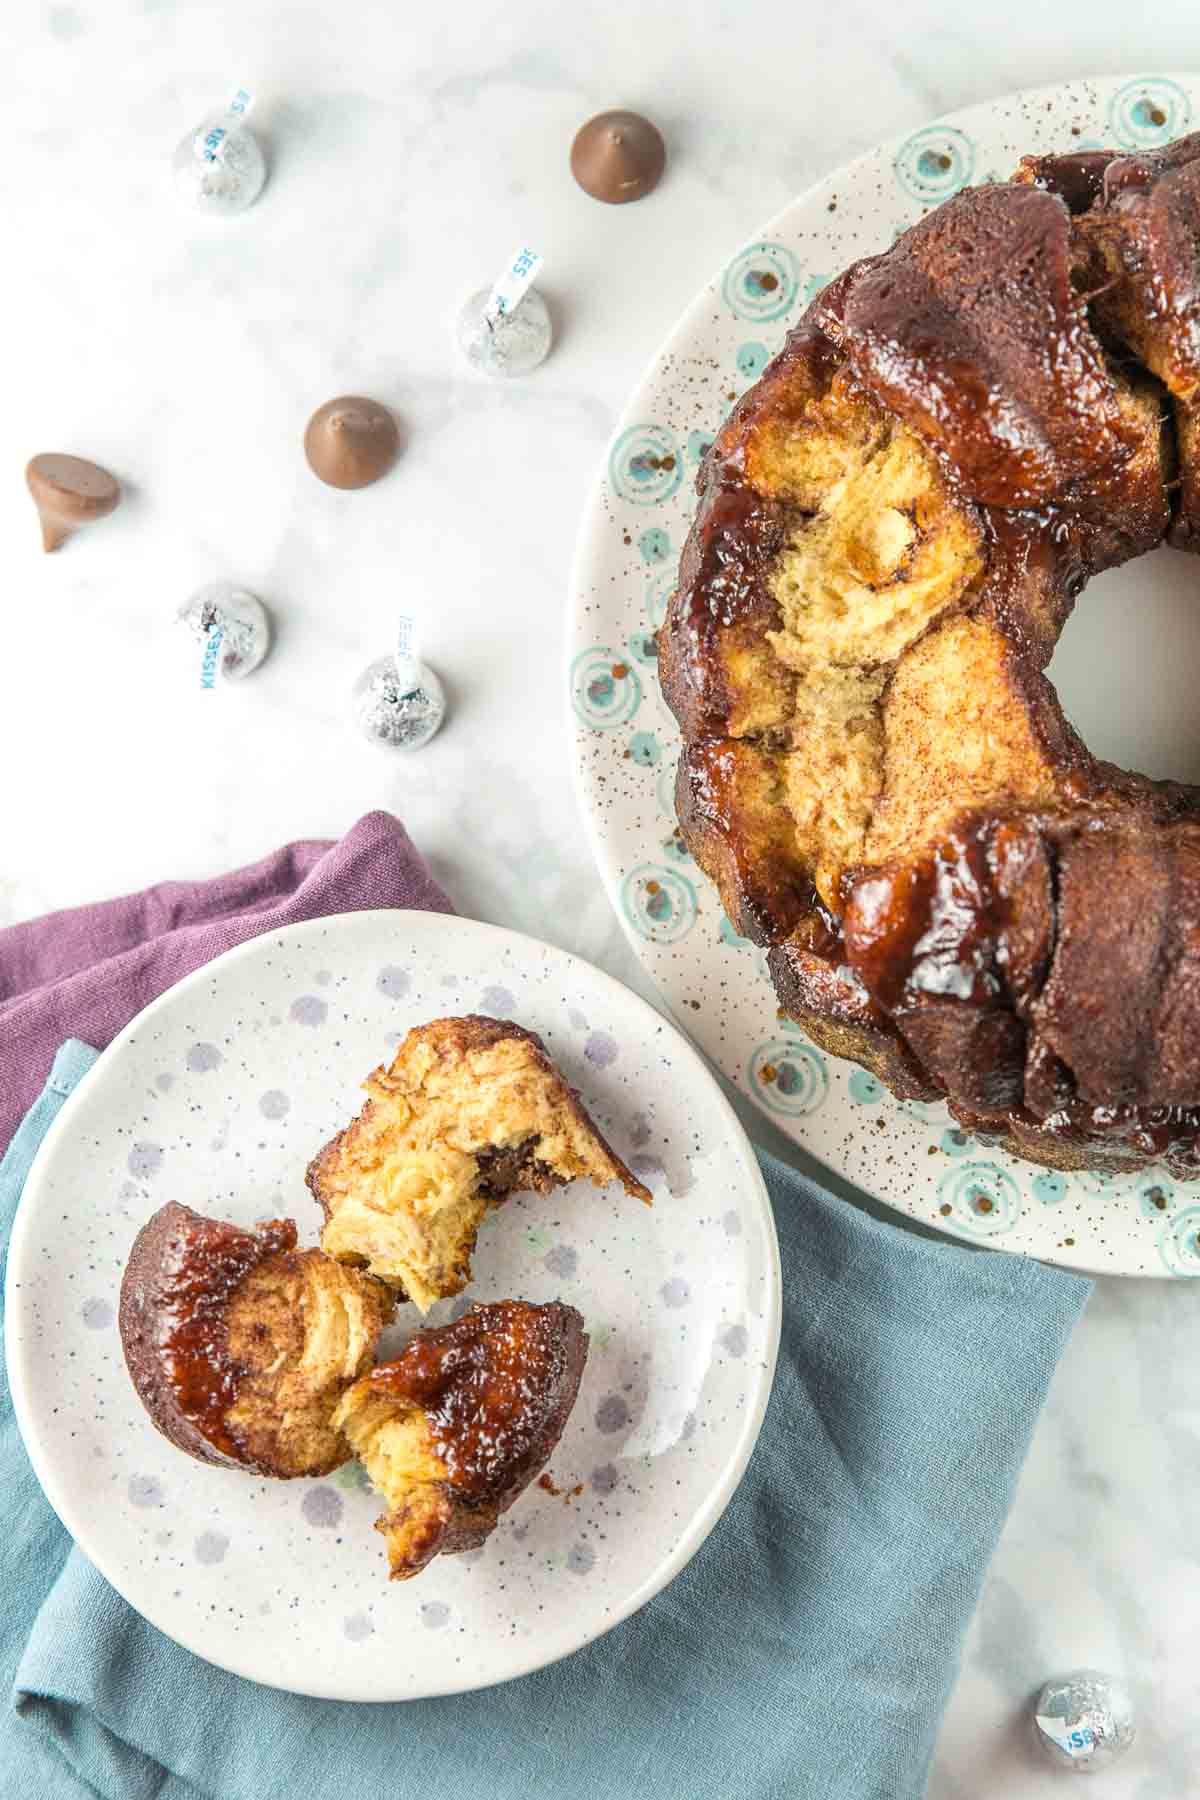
[(459, 1424), (470, 1111), (240, 1345)]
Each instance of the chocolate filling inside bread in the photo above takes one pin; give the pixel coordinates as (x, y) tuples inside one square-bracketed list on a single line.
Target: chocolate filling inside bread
[(469, 1111)]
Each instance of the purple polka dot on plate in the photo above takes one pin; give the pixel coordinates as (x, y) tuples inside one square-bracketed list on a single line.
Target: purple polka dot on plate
[(211, 1547), (274, 1104), (605, 1478), (731, 1224), (581, 1559), (358, 1628), (322, 1506), (675, 1292), (202, 1058), (96, 1314), (435, 1614), (309, 1009), (393, 983), (612, 1414), (735, 1339), (645, 1163), (164, 1082), (144, 1161), (145, 1490), (562, 1260), (498, 1001), (601, 1049)]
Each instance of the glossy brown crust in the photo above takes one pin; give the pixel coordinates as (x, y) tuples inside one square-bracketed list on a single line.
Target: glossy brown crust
[(1039, 965), (971, 330), (496, 1388), (212, 1326), (182, 1272)]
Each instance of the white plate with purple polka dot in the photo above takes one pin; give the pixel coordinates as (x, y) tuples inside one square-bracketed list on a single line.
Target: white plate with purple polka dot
[(626, 743), (217, 1096)]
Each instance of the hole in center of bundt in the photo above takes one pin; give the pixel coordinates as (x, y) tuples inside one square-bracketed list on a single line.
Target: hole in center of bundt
[(1127, 667)]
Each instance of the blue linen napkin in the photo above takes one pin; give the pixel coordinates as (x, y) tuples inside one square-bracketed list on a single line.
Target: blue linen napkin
[(806, 1652)]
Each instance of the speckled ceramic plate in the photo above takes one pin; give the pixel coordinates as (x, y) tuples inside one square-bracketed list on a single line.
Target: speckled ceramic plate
[(626, 743), (217, 1096)]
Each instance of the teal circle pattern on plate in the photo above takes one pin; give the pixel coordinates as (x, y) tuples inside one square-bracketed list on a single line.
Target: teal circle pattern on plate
[(699, 443), (1146, 113), (1156, 1199), (659, 589), (865, 1090), (761, 282), (645, 465), (654, 545), (644, 748), (606, 691), (752, 359), (934, 163), (955, 1142), (1050, 1187), (1179, 1242), (642, 647), (980, 1198), (789, 1076), (729, 934), (660, 903)]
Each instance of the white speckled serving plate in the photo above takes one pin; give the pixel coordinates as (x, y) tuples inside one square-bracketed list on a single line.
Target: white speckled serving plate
[(217, 1096), (626, 742)]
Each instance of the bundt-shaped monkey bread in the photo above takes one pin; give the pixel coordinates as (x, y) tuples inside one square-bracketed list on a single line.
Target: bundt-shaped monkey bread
[(894, 525)]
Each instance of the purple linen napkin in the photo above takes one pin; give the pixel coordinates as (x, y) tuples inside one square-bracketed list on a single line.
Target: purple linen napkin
[(86, 972)]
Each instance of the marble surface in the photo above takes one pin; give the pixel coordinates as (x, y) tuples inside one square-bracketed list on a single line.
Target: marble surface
[(409, 155)]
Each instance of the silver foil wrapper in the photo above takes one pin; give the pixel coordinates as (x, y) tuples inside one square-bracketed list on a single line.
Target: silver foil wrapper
[(1084, 1721), (399, 710), (231, 626), (512, 344), (219, 166)]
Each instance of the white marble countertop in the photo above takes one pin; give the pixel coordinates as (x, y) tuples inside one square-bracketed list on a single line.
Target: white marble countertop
[(411, 151)]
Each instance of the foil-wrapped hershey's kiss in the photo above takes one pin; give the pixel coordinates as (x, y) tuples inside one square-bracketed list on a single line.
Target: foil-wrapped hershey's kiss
[(1084, 1720), (219, 166), (506, 329), (232, 627), (69, 492), (398, 700)]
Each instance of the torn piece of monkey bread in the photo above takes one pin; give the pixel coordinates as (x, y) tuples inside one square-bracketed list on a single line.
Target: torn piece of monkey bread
[(470, 1111), (240, 1346), (459, 1424)]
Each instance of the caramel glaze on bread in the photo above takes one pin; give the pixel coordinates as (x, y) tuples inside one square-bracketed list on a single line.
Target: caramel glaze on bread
[(459, 1424), (894, 526), (240, 1346), (469, 1111)]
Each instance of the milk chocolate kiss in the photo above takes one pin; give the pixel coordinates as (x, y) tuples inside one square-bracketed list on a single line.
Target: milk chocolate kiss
[(350, 442), (618, 156), (69, 492)]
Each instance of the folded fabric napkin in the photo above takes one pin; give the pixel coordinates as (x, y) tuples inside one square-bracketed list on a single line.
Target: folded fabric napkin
[(807, 1650)]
